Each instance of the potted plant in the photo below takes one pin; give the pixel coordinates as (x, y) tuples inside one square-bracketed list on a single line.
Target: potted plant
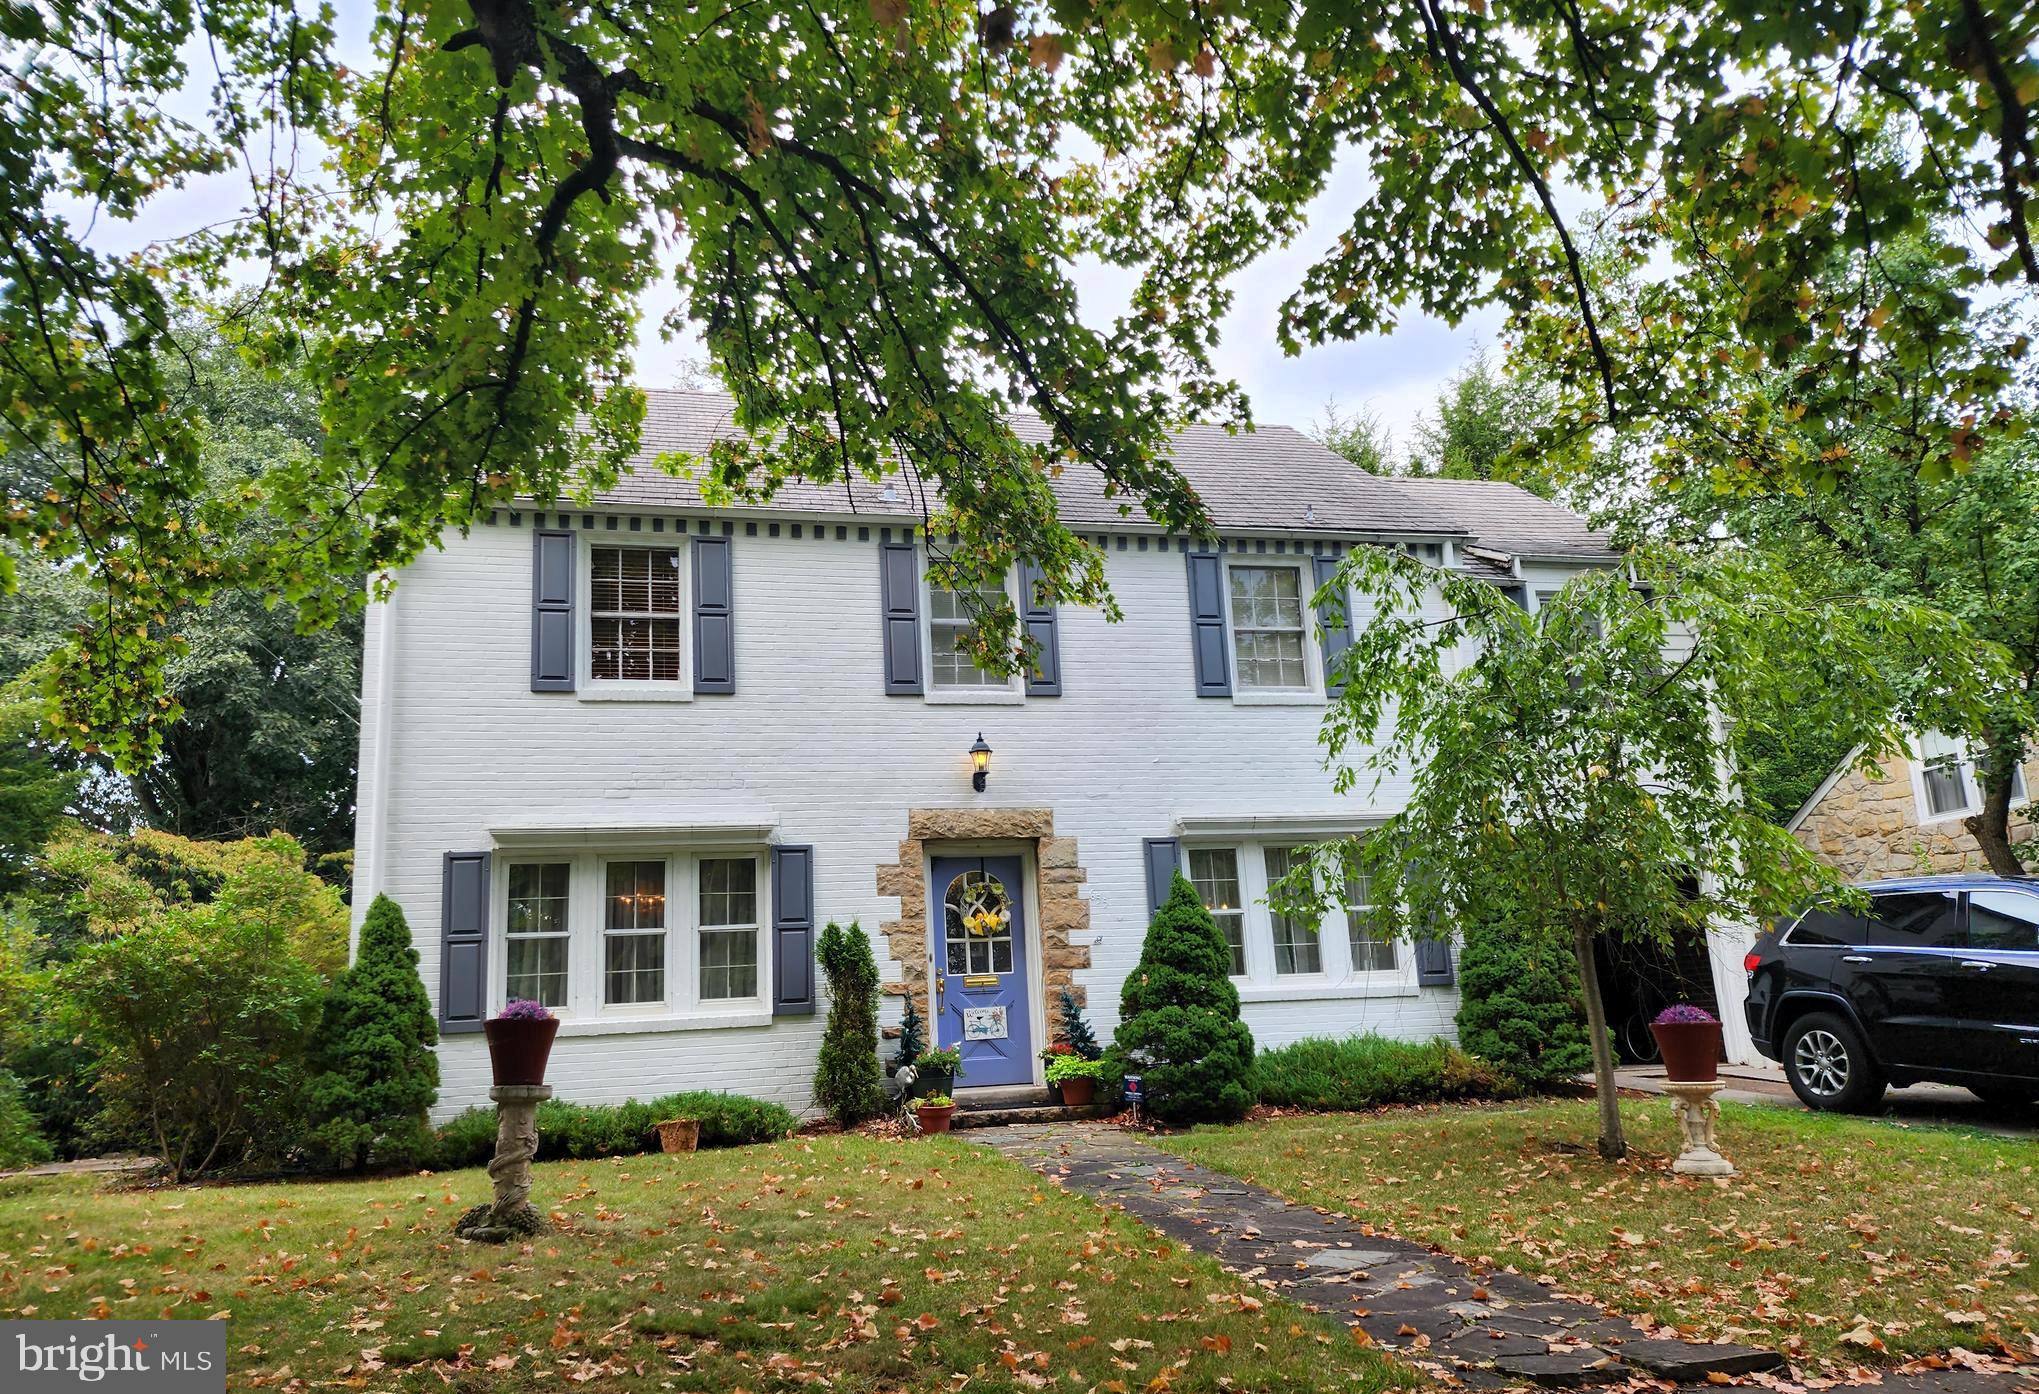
[(934, 1112), (520, 1040), (678, 1134), (1076, 1077), (936, 1071), (1689, 1037), (1049, 1055)]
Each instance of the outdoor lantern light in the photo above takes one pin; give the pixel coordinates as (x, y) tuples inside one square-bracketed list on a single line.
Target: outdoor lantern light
[(980, 761)]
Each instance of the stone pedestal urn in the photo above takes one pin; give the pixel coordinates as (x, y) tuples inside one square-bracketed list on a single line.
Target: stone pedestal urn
[(511, 1215), (1693, 1105)]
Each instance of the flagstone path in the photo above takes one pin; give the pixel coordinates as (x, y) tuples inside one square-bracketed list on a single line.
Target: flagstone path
[(1478, 1330)]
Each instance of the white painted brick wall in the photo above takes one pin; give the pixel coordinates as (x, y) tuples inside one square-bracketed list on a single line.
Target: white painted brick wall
[(810, 737)]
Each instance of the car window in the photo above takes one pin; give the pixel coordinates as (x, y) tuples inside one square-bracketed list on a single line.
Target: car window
[(2003, 920), (1826, 926), (1913, 920)]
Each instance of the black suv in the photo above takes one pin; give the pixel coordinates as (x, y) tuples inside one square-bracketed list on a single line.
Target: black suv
[(1938, 981)]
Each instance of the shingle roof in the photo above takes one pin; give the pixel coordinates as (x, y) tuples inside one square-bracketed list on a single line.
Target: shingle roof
[(1272, 479)]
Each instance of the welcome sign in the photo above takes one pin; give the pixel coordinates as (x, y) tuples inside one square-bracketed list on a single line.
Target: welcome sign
[(115, 1357)]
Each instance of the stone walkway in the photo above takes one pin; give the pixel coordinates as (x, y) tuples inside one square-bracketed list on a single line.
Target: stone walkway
[(1481, 1331)]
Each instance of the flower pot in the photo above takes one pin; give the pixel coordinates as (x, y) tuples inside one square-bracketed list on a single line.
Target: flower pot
[(928, 1082), (1691, 1049), (1077, 1092), (678, 1134), (518, 1049), (934, 1119), (1054, 1093)]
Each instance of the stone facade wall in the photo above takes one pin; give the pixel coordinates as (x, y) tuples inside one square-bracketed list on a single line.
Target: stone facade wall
[(1062, 908), (1867, 827)]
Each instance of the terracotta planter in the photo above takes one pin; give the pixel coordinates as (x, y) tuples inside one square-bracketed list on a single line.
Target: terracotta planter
[(1078, 1092), (935, 1120), (678, 1134), (1692, 1050), (518, 1049)]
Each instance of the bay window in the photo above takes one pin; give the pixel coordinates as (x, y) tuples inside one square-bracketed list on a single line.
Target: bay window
[(1286, 956), (636, 936)]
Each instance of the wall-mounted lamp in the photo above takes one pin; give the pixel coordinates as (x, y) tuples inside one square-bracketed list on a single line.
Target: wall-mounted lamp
[(980, 762)]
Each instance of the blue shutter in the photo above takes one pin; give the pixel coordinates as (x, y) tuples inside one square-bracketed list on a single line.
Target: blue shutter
[(1162, 856), (1332, 619), (899, 595), (1207, 624), (714, 617), (463, 942), (1433, 962), (792, 931), (553, 563), (1037, 613)]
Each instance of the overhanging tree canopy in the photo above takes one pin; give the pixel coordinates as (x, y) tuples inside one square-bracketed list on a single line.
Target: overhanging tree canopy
[(871, 208)]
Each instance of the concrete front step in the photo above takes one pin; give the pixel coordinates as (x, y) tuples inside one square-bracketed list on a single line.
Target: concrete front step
[(986, 1115)]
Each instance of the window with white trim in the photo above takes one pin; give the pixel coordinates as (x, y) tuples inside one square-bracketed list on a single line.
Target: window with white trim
[(537, 932), (950, 629), (1232, 879), (1948, 783), (634, 934), (729, 928), (1270, 631), (637, 935), (635, 628), (1214, 871)]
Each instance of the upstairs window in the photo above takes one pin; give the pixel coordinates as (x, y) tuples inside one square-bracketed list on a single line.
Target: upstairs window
[(1949, 784), (950, 629), (634, 614), (1268, 628)]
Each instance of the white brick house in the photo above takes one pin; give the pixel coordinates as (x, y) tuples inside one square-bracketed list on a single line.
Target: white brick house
[(628, 757)]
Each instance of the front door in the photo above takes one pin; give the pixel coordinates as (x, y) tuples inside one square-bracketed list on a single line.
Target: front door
[(980, 963)]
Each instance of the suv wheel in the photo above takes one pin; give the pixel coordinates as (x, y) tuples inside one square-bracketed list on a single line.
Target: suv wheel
[(1829, 1066)]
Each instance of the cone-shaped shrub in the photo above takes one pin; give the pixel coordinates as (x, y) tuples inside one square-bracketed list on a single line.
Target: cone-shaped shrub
[(1179, 1026), (376, 1073), (1076, 1028), (912, 1035), (846, 1078), (1520, 1005)]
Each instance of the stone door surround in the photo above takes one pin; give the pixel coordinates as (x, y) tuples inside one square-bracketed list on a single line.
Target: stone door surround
[(1061, 909)]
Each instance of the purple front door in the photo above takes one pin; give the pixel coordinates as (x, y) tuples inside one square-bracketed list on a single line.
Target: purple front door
[(980, 962)]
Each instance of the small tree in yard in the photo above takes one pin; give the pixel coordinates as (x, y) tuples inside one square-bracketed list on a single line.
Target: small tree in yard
[(1577, 762), (1179, 1026), (377, 1075), (912, 1034), (846, 1079)]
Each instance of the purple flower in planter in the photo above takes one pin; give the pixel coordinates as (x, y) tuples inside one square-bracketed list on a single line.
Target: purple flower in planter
[(1685, 1014), (523, 1009)]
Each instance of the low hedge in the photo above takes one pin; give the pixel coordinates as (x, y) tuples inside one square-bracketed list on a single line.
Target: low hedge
[(1371, 1071), (580, 1131)]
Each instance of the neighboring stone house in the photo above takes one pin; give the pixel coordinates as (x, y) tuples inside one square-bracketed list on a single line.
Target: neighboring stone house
[(626, 757), (1904, 818)]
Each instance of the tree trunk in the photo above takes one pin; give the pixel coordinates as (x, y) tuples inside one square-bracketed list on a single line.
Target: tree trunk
[(1612, 1145), (1991, 828)]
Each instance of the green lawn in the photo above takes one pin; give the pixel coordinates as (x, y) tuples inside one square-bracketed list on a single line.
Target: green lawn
[(1842, 1241), (884, 1265)]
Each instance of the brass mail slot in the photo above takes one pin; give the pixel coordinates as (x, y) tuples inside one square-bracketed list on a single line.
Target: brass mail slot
[(981, 980)]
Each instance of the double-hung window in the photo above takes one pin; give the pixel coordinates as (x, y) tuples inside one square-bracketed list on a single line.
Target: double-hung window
[(637, 935), (1297, 948), (635, 631), (1283, 955), (634, 934), (950, 630), (1214, 871), (1949, 783), (1269, 628), (537, 932), (729, 928)]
